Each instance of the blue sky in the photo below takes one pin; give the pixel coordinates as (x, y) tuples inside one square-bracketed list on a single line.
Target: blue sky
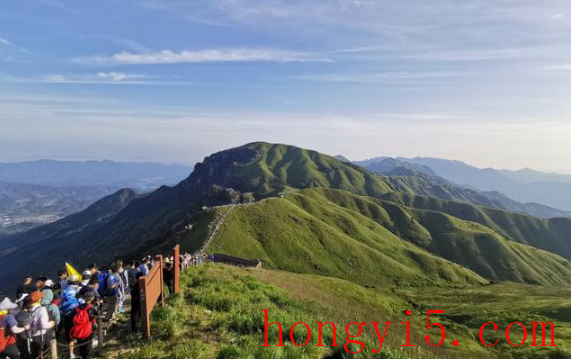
[(487, 82)]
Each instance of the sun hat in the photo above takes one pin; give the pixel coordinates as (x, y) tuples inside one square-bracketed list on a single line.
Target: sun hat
[(36, 296)]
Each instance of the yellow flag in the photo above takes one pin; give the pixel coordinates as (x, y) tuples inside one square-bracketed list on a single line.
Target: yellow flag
[(71, 271)]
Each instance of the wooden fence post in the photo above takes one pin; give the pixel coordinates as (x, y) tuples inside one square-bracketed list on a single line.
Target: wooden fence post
[(99, 332), (176, 260)]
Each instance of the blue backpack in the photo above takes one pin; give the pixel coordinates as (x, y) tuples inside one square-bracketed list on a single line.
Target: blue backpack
[(68, 301), (104, 289)]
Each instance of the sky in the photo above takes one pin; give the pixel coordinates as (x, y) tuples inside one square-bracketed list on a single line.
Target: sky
[(487, 82)]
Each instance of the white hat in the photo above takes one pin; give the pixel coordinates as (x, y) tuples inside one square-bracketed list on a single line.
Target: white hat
[(73, 278), (49, 283), (7, 304), (86, 273)]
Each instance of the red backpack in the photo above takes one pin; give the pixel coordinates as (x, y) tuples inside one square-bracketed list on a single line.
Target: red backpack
[(5, 339), (82, 327)]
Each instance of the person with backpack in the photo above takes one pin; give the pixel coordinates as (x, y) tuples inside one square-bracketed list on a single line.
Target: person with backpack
[(9, 328), (68, 303), (26, 288), (83, 324), (108, 289), (48, 299), (41, 327)]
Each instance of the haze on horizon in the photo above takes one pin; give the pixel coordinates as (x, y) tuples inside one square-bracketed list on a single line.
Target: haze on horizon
[(484, 82)]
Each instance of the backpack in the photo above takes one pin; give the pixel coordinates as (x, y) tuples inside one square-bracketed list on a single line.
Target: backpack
[(102, 277), (82, 326), (104, 289), (24, 318), (5, 339)]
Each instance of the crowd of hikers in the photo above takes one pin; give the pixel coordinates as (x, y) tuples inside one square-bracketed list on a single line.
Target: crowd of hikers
[(70, 308)]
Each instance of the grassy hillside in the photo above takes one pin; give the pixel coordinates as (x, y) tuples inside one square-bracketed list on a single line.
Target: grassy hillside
[(504, 304), (367, 240), (219, 315), (549, 234)]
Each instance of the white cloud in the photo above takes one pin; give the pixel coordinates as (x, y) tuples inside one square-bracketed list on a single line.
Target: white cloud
[(557, 16), (100, 76), (6, 42), (119, 76), (201, 56)]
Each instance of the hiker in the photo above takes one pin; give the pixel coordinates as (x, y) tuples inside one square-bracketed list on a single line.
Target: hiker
[(144, 268), (8, 330), (85, 277), (168, 276), (92, 286), (135, 303), (41, 327), (92, 268), (121, 276), (110, 290), (133, 274), (47, 300), (62, 282), (69, 296), (82, 323), (26, 288), (68, 303)]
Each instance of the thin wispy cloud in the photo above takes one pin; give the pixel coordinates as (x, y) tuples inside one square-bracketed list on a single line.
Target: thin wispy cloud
[(97, 77), (383, 77), (201, 56)]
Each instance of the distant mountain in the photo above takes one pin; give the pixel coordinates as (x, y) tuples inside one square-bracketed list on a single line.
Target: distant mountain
[(392, 166), (141, 176), (555, 194), (354, 217), (527, 175), (424, 181), (27, 205)]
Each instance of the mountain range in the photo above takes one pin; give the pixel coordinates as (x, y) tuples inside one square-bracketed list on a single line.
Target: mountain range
[(525, 185), (306, 212)]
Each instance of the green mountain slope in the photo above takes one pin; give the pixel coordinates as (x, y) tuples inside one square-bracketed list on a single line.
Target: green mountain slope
[(259, 170), (336, 233), (552, 234)]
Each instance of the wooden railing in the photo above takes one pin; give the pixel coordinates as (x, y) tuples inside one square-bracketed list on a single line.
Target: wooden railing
[(151, 288)]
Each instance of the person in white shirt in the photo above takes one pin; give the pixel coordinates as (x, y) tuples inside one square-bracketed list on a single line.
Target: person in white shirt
[(40, 326)]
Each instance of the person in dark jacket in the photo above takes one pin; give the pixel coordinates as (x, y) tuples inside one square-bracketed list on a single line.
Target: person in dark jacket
[(168, 276), (26, 288), (135, 303)]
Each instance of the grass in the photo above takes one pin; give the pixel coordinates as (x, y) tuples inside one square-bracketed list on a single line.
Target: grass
[(372, 241), (219, 315), (504, 304)]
